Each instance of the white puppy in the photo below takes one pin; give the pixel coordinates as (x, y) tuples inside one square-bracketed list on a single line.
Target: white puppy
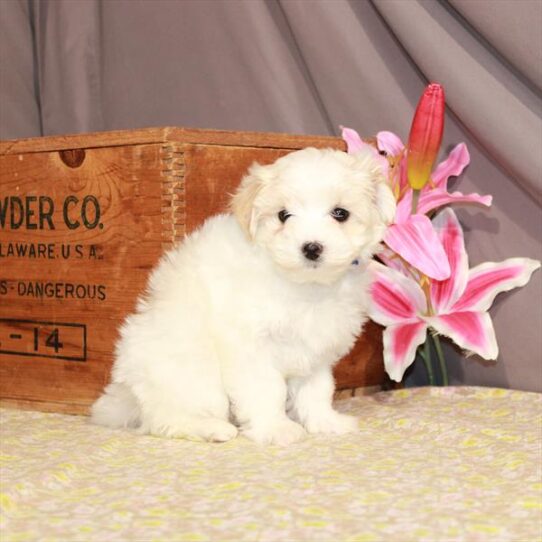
[(242, 323)]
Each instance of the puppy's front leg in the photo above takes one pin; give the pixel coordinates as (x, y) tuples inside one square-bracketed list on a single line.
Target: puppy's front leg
[(258, 395), (310, 403)]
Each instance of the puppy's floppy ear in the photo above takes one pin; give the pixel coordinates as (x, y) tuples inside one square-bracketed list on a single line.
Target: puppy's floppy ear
[(242, 204), (385, 200), (370, 168)]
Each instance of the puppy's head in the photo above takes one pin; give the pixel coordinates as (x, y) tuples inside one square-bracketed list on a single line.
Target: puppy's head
[(315, 211)]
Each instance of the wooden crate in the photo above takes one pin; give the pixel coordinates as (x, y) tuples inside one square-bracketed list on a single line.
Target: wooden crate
[(83, 219)]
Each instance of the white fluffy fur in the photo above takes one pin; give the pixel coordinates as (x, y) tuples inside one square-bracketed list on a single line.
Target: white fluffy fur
[(238, 331)]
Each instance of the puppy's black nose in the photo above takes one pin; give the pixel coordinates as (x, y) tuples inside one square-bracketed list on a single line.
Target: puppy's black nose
[(312, 251)]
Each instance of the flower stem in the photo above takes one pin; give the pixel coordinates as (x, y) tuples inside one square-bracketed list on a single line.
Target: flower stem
[(442, 361), (415, 198), (425, 353)]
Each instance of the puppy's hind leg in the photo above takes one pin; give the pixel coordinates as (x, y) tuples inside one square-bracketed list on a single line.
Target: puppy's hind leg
[(185, 400), (165, 419), (168, 360)]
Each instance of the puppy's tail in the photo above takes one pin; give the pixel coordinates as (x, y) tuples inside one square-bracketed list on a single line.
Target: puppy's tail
[(116, 408)]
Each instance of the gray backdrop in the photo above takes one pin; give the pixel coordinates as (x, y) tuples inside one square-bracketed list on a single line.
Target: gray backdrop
[(308, 66)]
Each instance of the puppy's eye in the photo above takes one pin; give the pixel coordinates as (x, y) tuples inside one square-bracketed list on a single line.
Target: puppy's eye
[(284, 215), (340, 214)]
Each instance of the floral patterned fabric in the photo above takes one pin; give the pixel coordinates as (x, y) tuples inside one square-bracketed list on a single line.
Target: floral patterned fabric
[(428, 464)]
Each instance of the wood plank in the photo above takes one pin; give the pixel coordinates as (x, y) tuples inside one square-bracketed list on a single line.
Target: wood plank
[(46, 406), (60, 312), (167, 134)]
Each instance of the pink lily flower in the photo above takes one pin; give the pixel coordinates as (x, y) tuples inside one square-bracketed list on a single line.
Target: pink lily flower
[(425, 136), (455, 307), (434, 194), (412, 236)]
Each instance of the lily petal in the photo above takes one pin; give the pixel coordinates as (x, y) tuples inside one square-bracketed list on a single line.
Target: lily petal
[(404, 206), (402, 179), (391, 259), (489, 279), (456, 162), (472, 331), (354, 143), (432, 199), (400, 344), (390, 143), (417, 242), (394, 298), (444, 293), (394, 148)]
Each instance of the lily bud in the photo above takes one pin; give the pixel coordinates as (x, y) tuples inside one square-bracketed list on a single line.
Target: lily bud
[(425, 136)]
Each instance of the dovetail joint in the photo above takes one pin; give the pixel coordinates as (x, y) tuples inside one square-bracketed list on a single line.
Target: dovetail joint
[(173, 206)]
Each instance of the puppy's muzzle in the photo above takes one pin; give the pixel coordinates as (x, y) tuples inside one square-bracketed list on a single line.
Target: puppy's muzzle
[(312, 251)]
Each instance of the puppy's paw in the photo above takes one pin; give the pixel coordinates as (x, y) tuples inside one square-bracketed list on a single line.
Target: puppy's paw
[(332, 422), (219, 431), (197, 429), (281, 432)]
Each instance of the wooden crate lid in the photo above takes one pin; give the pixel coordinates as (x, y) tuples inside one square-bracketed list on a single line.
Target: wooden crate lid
[(164, 135)]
